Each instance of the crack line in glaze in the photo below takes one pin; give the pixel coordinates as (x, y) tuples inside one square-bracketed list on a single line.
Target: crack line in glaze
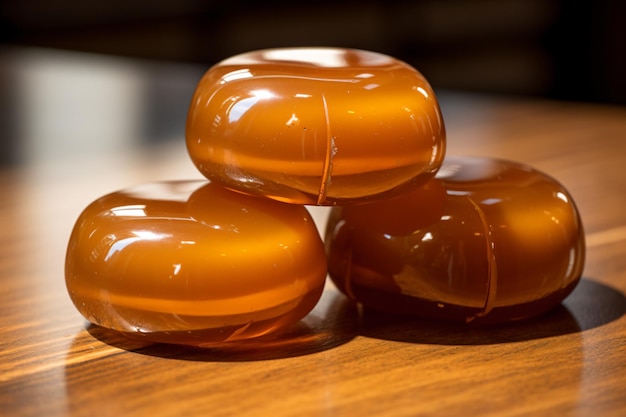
[(492, 266)]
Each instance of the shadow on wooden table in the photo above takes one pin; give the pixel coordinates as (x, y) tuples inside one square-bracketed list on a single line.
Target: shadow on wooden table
[(338, 321), (591, 305)]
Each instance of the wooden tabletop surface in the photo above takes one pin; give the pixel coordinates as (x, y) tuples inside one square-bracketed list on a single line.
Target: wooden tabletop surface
[(75, 121)]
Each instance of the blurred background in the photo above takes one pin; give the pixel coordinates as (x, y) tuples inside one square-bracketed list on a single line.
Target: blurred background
[(554, 49)]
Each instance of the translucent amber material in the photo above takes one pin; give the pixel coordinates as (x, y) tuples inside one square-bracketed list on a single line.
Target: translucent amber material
[(315, 126), (486, 239), (193, 263)]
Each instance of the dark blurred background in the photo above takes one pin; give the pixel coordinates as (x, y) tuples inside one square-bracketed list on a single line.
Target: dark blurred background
[(572, 50)]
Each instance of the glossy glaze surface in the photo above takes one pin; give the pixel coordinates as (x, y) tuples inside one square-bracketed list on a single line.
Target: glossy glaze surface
[(315, 125), (486, 239), (193, 263)]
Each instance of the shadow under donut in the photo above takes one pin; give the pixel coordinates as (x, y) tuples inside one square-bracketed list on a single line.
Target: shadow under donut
[(590, 305), (333, 322)]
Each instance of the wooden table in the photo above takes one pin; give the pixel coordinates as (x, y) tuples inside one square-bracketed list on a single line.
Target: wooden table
[(76, 119)]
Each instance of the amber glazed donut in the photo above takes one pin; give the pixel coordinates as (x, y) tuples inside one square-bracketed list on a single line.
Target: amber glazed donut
[(318, 126), (486, 240), (193, 263)]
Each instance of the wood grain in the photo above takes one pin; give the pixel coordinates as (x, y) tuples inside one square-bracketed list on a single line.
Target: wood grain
[(340, 360)]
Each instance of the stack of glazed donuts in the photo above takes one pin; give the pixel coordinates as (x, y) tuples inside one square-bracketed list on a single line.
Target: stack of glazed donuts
[(237, 255)]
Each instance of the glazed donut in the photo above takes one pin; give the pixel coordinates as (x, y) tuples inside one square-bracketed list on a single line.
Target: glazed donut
[(486, 239), (193, 263), (320, 126)]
